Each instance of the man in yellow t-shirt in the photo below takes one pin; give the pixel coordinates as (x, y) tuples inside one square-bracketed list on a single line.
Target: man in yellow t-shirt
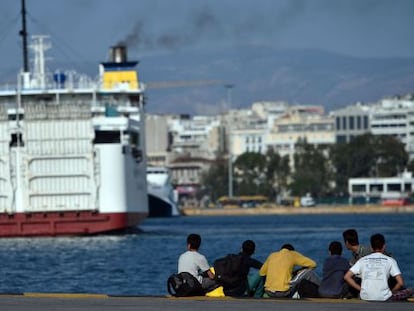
[(278, 269)]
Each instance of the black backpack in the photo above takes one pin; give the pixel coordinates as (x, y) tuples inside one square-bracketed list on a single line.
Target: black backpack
[(184, 284), (307, 289), (228, 271)]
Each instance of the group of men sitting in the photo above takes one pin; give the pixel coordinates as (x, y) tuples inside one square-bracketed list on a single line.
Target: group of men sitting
[(371, 274)]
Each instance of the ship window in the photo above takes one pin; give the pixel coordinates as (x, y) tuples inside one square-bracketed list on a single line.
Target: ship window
[(16, 140), (107, 137), (13, 117)]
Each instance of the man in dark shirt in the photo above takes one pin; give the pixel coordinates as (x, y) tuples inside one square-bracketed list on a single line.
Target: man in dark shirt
[(247, 262), (335, 266)]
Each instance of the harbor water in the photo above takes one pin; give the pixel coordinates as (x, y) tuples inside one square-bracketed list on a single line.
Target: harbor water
[(139, 263)]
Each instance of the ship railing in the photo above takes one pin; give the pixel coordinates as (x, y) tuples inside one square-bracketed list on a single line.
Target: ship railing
[(85, 85), (76, 82)]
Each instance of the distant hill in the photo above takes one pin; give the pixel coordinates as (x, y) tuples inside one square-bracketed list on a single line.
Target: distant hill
[(263, 73)]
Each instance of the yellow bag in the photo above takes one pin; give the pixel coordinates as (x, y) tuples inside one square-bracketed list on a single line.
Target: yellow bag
[(218, 292)]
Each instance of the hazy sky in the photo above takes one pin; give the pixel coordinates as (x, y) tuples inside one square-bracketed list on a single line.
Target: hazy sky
[(86, 28)]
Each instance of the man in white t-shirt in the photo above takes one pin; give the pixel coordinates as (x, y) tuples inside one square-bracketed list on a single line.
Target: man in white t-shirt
[(375, 269), (195, 263)]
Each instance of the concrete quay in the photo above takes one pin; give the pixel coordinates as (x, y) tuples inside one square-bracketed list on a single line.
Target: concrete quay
[(86, 302), (290, 210)]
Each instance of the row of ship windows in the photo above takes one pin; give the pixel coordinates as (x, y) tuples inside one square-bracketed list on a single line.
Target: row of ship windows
[(101, 137)]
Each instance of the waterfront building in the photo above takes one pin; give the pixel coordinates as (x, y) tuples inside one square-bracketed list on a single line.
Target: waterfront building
[(300, 123), (371, 190), (157, 139), (270, 110), (249, 127), (246, 133), (389, 116), (193, 142), (186, 175), (248, 139), (395, 117), (351, 121), (197, 136)]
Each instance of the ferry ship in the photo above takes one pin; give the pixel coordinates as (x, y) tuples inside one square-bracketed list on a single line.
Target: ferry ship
[(72, 149), (162, 198)]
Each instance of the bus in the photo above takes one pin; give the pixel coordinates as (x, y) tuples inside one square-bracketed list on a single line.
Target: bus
[(248, 201)]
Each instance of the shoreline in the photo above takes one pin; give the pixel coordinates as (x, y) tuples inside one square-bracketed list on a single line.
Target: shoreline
[(283, 210)]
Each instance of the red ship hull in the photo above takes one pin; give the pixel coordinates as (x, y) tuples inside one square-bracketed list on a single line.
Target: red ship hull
[(66, 223)]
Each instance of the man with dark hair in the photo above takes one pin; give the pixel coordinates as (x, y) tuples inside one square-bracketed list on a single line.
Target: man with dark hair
[(195, 263), (375, 269), (278, 269), (250, 284), (248, 247), (334, 268), (246, 262), (351, 242)]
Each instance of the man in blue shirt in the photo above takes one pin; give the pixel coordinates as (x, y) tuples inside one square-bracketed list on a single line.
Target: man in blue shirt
[(334, 268)]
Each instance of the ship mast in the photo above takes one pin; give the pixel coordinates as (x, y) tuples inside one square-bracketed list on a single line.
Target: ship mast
[(23, 33)]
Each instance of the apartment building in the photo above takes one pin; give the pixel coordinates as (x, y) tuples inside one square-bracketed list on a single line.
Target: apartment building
[(197, 136), (351, 121), (157, 139), (300, 123), (186, 145), (395, 117), (389, 116), (245, 133), (249, 130)]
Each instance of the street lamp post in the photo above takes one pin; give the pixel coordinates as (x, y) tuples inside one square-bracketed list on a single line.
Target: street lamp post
[(229, 88)]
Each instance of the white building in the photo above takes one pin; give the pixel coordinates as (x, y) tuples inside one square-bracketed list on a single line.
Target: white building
[(200, 136), (372, 189), (395, 117), (351, 121), (300, 123), (157, 139)]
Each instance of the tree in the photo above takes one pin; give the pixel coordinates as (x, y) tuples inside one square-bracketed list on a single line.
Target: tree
[(277, 173), (215, 181), (250, 174), (390, 156), (312, 173), (367, 156)]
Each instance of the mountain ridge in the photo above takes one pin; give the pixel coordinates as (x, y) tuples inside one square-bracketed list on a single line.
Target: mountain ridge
[(257, 73)]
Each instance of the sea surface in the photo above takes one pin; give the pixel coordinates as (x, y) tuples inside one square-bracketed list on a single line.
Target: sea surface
[(140, 263)]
